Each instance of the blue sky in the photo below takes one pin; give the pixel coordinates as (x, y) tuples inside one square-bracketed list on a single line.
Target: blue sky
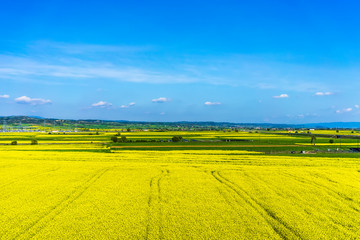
[(236, 61)]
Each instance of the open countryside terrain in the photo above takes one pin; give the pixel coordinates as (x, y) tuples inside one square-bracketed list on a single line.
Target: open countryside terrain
[(190, 120), (210, 185)]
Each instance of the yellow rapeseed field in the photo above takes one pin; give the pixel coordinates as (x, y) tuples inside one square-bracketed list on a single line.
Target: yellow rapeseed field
[(65, 192)]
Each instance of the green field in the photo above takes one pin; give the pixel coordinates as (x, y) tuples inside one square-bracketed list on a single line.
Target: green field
[(66, 187)]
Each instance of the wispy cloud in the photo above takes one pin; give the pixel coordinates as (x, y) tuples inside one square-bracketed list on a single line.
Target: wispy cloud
[(265, 86), (62, 63), (31, 101), (4, 96), (323, 93), (161, 100), (27, 68), (101, 104), (284, 95), (212, 103), (84, 48)]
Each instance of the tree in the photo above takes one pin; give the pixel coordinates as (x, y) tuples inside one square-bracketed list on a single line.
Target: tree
[(114, 139), (34, 142), (331, 141), (313, 139), (123, 139), (129, 130), (176, 138), (14, 143)]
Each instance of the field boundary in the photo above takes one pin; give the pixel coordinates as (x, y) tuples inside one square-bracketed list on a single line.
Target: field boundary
[(201, 146)]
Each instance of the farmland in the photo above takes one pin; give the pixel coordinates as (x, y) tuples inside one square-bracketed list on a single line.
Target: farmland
[(179, 120), (82, 185)]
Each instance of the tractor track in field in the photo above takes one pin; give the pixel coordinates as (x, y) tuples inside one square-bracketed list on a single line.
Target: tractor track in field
[(35, 227), (330, 191), (274, 188), (30, 175), (226, 194), (277, 224), (7, 166), (155, 199)]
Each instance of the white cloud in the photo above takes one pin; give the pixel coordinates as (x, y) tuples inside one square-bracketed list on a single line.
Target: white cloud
[(344, 110), (284, 95), (212, 103), (129, 105), (323, 93), (160, 100), (357, 106), (31, 101), (102, 104), (4, 96)]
